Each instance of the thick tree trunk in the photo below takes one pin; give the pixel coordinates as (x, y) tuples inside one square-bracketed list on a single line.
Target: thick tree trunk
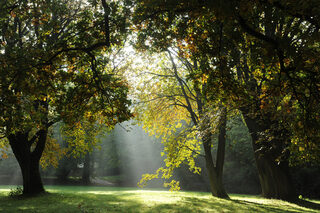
[(275, 179), (32, 183), (29, 160)]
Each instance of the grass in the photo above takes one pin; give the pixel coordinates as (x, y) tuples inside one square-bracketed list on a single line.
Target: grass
[(113, 179), (67, 199)]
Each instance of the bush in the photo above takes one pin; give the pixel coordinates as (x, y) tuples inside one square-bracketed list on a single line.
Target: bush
[(16, 191)]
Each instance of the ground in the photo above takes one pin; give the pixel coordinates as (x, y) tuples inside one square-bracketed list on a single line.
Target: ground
[(66, 199)]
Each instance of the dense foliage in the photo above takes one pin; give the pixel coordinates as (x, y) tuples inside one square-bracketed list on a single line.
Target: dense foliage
[(262, 54), (60, 62), (260, 58), (55, 67)]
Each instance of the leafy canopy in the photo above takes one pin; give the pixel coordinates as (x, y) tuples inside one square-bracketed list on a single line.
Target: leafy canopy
[(55, 65), (263, 55)]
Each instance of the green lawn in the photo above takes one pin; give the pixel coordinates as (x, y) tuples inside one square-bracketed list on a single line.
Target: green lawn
[(111, 199)]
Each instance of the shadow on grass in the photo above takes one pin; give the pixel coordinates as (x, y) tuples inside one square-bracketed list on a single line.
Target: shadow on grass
[(308, 204), (68, 202), (124, 201), (263, 207), (222, 205)]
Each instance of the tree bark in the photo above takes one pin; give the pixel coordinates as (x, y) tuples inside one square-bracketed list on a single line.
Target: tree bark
[(32, 183), (86, 170), (216, 172), (29, 160), (275, 179), (221, 143), (215, 178)]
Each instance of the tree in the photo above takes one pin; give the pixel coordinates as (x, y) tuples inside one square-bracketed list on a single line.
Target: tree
[(54, 58), (108, 157), (81, 139), (67, 162), (176, 109), (240, 171), (269, 52)]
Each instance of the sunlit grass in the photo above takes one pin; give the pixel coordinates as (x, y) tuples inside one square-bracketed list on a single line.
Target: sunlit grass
[(6, 188), (114, 199)]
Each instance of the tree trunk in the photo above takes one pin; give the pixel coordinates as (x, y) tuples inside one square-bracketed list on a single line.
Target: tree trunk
[(86, 170), (216, 172), (221, 149), (275, 179), (216, 185), (32, 183), (29, 160)]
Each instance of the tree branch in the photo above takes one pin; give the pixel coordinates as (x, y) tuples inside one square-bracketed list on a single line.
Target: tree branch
[(42, 138), (280, 6), (106, 22), (256, 34), (160, 75), (193, 116)]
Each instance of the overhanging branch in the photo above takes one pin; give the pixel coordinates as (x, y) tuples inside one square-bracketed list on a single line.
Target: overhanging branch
[(256, 34)]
